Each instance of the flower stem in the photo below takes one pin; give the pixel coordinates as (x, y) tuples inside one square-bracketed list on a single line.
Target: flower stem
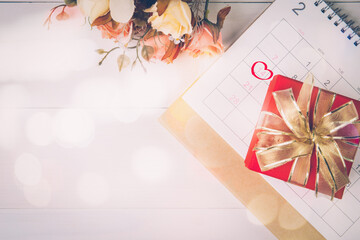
[(48, 19), (102, 60), (206, 12), (137, 54)]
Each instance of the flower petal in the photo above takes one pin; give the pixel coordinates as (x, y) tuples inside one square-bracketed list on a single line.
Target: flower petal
[(93, 8), (175, 21), (122, 10), (100, 8), (85, 6)]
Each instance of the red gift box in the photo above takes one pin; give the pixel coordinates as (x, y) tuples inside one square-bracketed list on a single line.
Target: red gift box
[(282, 172)]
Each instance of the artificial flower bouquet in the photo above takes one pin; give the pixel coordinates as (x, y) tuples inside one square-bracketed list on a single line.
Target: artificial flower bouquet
[(156, 30), (306, 136)]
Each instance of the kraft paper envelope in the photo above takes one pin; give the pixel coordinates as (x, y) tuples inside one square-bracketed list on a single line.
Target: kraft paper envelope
[(249, 187)]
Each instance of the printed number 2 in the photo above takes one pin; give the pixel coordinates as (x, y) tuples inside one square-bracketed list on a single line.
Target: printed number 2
[(327, 83), (299, 9)]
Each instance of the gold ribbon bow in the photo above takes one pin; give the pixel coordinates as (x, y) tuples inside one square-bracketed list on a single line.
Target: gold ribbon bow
[(292, 138)]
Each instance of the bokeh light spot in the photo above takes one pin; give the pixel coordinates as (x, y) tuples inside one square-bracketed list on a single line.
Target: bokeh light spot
[(73, 128), (28, 169)]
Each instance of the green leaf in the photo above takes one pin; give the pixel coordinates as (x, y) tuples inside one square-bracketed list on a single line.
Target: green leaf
[(114, 24), (70, 3), (123, 61), (149, 34), (102, 20), (101, 51), (147, 52), (222, 15), (169, 51), (214, 29), (187, 40), (133, 64), (162, 6)]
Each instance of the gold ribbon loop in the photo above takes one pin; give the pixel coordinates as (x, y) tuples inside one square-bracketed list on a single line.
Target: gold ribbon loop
[(292, 138), (337, 119), (291, 113), (271, 121), (348, 132), (277, 155), (326, 99), (347, 149), (305, 95)]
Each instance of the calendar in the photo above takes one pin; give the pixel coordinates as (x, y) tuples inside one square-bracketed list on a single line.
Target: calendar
[(291, 38)]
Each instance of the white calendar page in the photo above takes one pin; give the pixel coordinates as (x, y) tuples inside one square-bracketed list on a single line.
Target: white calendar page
[(290, 38)]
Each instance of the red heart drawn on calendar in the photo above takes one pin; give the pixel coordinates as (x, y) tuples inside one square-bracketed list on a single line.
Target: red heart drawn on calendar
[(263, 73)]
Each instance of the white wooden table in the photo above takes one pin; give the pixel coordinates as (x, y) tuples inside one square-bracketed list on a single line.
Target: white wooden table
[(82, 155)]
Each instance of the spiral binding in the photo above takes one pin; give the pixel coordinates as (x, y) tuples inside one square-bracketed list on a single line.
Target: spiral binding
[(349, 24)]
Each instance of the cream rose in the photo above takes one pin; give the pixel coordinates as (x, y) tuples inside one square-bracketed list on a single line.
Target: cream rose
[(176, 20), (120, 10)]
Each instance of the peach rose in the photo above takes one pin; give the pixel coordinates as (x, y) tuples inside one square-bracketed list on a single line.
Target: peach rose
[(160, 44), (202, 43), (122, 33), (65, 13)]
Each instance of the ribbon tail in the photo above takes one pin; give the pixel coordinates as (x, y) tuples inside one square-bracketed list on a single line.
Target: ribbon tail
[(331, 166), (300, 170), (317, 172)]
